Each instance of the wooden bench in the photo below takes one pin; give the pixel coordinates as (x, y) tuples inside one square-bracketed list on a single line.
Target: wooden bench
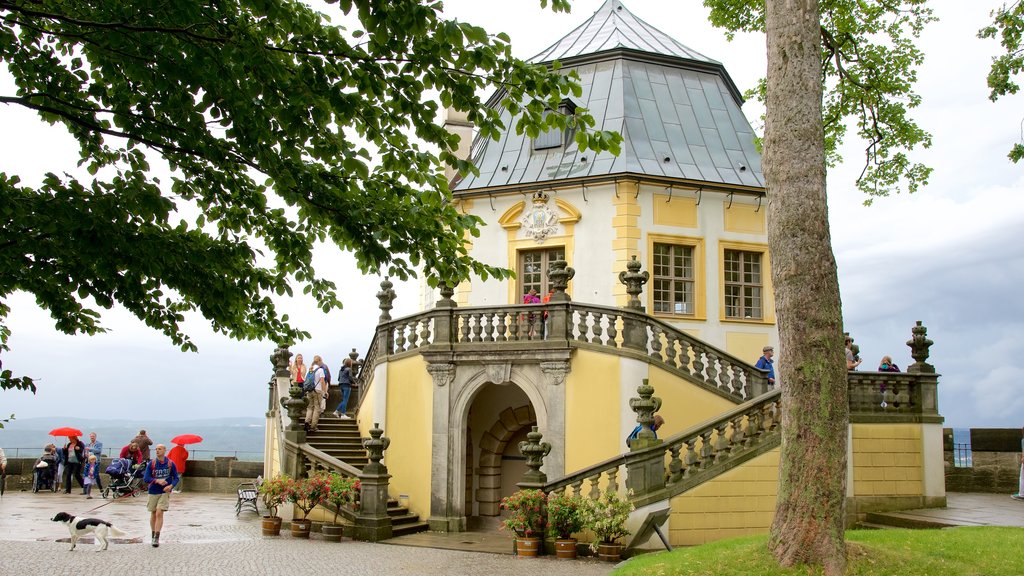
[(248, 496)]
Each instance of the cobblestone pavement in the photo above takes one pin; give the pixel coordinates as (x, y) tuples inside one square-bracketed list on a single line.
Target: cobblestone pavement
[(203, 536)]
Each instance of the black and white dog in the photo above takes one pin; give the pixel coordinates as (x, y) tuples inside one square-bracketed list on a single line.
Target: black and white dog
[(85, 526)]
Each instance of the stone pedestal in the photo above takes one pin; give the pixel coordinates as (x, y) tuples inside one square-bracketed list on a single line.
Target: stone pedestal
[(372, 522), (647, 474)]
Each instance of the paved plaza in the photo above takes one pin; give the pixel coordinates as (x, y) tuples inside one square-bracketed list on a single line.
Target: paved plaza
[(201, 535)]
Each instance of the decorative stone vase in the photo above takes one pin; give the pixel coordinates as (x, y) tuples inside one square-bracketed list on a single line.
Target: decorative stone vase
[(300, 527), (565, 548), (271, 525), (527, 546), (331, 532), (609, 552)]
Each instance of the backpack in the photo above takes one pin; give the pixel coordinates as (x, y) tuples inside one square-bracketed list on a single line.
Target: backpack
[(327, 373), (310, 382)]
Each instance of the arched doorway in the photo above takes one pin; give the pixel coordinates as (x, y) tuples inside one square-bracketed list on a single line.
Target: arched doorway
[(502, 415)]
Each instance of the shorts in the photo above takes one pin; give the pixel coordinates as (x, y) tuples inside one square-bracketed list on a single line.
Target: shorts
[(162, 501)]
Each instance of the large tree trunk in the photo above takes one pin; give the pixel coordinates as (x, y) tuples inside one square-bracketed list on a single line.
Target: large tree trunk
[(808, 526)]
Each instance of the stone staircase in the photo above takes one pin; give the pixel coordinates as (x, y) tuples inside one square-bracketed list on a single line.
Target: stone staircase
[(340, 439)]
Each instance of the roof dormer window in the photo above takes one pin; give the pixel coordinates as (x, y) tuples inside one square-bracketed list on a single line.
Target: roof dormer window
[(555, 138)]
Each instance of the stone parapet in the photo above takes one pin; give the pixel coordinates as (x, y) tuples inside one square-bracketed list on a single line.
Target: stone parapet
[(220, 475)]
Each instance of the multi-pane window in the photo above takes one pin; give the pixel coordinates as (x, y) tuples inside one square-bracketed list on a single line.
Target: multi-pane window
[(743, 284), (533, 269), (673, 279)]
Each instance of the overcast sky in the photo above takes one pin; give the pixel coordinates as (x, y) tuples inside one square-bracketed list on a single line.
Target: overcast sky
[(949, 255)]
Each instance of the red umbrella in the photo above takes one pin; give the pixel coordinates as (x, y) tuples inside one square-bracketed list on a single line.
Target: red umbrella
[(187, 439), (65, 431)]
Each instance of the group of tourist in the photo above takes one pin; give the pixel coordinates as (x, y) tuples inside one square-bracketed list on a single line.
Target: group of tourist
[(853, 360), (315, 380)]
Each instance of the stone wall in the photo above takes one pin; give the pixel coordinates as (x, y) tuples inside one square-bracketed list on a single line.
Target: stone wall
[(222, 474), (995, 462)]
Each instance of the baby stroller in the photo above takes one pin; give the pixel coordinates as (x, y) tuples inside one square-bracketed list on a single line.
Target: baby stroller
[(125, 478), (44, 475)]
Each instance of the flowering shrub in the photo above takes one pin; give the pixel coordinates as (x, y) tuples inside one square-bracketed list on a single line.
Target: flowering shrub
[(527, 514), (566, 514), (607, 518), (341, 491), (274, 492), (308, 493)]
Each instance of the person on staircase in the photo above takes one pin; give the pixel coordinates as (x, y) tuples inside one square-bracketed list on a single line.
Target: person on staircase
[(345, 379), (315, 396)]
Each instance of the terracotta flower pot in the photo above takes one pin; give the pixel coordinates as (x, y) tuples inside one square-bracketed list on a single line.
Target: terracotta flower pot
[(300, 528), (331, 532), (271, 525), (609, 552), (528, 547), (565, 548)]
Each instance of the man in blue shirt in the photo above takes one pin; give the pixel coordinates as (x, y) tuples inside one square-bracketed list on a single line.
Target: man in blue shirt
[(765, 363), (162, 476)]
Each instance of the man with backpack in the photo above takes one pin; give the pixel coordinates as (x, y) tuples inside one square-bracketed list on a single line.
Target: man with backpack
[(162, 476), (315, 387)]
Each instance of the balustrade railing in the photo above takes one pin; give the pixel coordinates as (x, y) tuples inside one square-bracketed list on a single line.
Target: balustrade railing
[(572, 324), (689, 458), (893, 396)]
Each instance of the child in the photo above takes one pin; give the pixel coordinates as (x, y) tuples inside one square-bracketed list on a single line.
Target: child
[(92, 472)]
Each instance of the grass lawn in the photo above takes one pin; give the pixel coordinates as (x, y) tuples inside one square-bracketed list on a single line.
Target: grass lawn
[(967, 551)]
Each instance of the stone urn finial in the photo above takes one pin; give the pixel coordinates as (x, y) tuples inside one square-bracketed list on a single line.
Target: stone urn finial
[(634, 280), (387, 298), (645, 406), (446, 295), (535, 451), (559, 273), (375, 446), (919, 345), (280, 359), (295, 405)]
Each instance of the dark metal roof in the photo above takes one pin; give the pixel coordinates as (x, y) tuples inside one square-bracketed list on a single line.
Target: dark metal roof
[(679, 115), (613, 26)]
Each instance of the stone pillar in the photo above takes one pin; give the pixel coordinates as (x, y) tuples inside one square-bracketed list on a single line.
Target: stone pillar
[(558, 322), (645, 474), (372, 522), (444, 319), (443, 516)]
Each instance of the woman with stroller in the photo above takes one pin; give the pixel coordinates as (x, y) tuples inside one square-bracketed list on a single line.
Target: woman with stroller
[(74, 457), (132, 452)]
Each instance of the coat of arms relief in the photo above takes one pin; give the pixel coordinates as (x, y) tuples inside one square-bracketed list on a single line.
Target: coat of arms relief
[(541, 220)]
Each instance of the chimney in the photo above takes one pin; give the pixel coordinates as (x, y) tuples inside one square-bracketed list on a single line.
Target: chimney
[(456, 122)]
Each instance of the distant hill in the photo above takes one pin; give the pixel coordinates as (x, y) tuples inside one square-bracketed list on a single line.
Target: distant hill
[(242, 437)]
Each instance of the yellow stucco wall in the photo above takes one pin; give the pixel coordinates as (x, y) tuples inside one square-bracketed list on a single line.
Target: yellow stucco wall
[(675, 211), (683, 404), (737, 503), (409, 428), (747, 346), (592, 428), (887, 460), (743, 218)]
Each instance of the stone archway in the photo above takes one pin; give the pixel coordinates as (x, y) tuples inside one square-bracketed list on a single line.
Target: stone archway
[(493, 445)]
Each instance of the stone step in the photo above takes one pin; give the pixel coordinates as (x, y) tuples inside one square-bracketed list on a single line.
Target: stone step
[(872, 526), (901, 520), (411, 528), (398, 519)]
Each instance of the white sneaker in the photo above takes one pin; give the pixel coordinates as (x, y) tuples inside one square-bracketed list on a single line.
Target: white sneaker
[(345, 417), (1016, 496)]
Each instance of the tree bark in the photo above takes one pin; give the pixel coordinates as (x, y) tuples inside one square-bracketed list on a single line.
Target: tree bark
[(809, 514)]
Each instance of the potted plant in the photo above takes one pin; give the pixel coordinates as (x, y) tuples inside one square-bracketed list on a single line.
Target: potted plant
[(273, 492), (567, 515), (527, 516), (340, 492), (306, 494), (607, 520)]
